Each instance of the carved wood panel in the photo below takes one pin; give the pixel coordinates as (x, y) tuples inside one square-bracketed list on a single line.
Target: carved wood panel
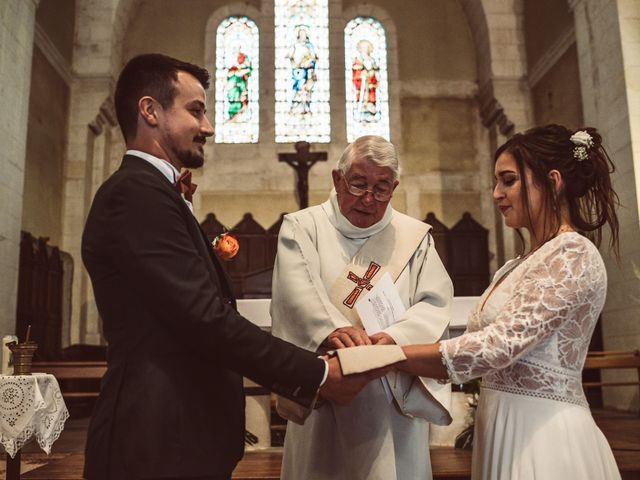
[(463, 249), (40, 295)]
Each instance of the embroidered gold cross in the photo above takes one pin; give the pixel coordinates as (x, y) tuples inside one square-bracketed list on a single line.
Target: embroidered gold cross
[(361, 283)]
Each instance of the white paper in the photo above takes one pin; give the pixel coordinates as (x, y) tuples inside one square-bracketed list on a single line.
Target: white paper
[(379, 309)]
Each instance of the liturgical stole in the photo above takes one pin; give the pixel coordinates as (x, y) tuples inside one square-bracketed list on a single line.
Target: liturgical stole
[(388, 251)]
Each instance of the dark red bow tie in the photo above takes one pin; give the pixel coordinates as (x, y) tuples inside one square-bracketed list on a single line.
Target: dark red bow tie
[(185, 187)]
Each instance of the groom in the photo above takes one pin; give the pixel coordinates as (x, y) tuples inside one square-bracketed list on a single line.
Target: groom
[(171, 404)]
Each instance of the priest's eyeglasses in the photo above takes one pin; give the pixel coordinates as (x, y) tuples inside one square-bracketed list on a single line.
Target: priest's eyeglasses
[(379, 194)]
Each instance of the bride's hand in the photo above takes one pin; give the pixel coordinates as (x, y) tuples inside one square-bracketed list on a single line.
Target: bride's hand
[(382, 338), (424, 361)]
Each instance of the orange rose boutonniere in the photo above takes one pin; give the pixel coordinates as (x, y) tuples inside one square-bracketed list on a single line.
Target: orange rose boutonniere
[(226, 246)]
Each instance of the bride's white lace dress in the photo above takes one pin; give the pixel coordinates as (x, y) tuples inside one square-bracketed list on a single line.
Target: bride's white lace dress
[(527, 339)]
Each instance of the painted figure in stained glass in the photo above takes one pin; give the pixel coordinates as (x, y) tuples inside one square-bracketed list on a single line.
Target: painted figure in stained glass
[(366, 84), (237, 90), (302, 110), (237, 76), (303, 60), (365, 70)]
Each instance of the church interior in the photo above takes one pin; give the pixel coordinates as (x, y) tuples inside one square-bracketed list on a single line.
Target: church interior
[(453, 80)]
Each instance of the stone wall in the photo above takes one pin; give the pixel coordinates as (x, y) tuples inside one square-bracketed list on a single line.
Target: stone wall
[(609, 78), (622, 328), (57, 19), (46, 144), (556, 96), (17, 18), (439, 85), (545, 21), (552, 63)]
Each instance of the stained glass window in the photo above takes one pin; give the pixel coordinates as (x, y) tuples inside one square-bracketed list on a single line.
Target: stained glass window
[(302, 71), (237, 69), (366, 88)]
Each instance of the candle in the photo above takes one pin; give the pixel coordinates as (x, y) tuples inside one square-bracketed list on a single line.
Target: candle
[(7, 360)]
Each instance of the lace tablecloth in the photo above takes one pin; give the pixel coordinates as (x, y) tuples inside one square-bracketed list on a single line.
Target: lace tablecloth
[(30, 405)]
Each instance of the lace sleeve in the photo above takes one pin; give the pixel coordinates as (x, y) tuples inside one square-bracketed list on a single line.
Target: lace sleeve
[(556, 283)]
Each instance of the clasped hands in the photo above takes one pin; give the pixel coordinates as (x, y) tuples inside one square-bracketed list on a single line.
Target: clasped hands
[(341, 389), (353, 336)]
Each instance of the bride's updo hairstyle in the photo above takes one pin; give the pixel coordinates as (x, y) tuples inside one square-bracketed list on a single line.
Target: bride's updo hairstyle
[(585, 168)]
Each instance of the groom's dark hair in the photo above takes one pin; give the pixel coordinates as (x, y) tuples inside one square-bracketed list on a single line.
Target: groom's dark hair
[(154, 75)]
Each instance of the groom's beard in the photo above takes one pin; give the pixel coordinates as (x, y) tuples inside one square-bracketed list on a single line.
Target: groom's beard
[(193, 158)]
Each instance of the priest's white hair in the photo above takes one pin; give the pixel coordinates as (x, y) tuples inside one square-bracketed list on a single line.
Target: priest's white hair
[(374, 148)]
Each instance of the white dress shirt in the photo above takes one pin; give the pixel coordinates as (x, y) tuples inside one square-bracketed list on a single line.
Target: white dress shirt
[(164, 167)]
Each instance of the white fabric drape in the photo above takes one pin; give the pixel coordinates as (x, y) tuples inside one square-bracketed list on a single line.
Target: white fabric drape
[(30, 405)]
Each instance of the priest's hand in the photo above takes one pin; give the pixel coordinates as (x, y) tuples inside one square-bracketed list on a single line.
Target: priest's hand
[(341, 389), (346, 337), (382, 338)]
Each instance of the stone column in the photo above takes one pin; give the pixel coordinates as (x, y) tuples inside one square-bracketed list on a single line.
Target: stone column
[(608, 57), (89, 116), (17, 22), (629, 20), (503, 94)]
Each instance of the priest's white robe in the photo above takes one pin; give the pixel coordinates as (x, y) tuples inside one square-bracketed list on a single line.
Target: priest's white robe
[(372, 438)]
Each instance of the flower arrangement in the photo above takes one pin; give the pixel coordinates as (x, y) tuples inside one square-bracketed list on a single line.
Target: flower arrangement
[(583, 142), (226, 246), (465, 438)]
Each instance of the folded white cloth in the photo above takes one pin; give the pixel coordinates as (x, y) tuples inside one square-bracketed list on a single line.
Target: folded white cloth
[(353, 360), (368, 357)]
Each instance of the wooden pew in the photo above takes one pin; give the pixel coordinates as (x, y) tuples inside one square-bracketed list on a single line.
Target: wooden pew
[(72, 369), (612, 359), (79, 382)]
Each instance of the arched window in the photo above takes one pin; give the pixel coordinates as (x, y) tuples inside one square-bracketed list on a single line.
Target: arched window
[(302, 71), (237, 72), (366, 85)]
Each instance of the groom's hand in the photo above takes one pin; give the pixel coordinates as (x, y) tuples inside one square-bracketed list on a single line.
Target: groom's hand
[(341, 389), (346, 337)]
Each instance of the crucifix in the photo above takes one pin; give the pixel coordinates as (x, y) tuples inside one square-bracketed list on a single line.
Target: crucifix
[(301, 162), (361, 283)]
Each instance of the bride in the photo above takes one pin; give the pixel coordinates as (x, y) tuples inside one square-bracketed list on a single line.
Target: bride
[(528, 336)]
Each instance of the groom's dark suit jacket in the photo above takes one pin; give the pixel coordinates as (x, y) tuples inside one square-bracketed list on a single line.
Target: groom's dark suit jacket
[(171, 403)]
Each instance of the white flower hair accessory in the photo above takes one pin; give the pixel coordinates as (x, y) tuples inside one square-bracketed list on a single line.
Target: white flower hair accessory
[(584, 141)]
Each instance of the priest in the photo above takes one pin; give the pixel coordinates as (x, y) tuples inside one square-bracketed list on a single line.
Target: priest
[(329, 257)]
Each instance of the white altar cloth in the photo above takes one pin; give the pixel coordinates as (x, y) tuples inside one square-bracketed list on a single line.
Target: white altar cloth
[(30, 405)]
